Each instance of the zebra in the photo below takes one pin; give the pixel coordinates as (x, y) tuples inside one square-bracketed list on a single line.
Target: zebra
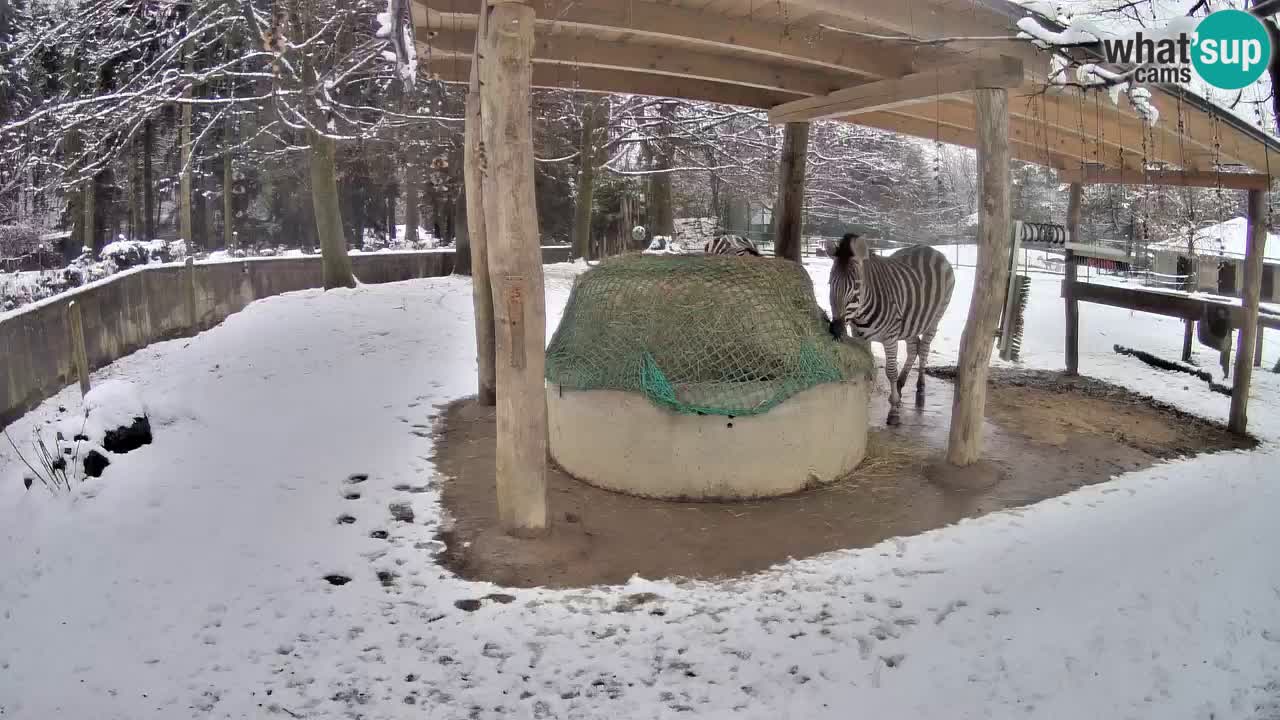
[(730, 245), (887, 299)]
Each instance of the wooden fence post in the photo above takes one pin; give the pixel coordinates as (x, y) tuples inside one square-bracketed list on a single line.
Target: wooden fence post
[(1238, 419), (79, 355), (515, 264), (189, 286), (964, 446), (481, 283), (788, 221), (1073, 305)]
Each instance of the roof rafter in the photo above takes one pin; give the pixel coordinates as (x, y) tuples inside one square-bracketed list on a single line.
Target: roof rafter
[(568, 49), (906, 90), (1232, 181), (792, 42)]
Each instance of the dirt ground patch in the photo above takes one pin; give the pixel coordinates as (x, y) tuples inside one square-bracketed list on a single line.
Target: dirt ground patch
[(1048, 433)]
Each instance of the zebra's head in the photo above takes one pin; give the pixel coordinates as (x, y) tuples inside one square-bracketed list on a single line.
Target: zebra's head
[(845, 279)]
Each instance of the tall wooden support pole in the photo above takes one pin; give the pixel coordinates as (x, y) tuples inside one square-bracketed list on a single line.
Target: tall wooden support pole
[(1188, 338), (1073, 305), (1238, 419), (964, 445), (515, 264), (788, 220), (481, 288)]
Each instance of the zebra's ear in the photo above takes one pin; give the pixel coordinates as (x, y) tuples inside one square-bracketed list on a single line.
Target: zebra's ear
[(860, 250), (829, 247)]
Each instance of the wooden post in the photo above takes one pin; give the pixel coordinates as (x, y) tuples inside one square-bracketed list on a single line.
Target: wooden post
[(189, 285), (186, 228), (79, 356), (592, 109), (788, 220), (1238, 419), (229, 236), (964, 445), (90, 195), (1073, 305), (1188, 336), (481, 287), (515, 264)]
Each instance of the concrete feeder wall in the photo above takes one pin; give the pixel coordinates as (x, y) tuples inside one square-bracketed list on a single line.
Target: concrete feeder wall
[(622, 441)]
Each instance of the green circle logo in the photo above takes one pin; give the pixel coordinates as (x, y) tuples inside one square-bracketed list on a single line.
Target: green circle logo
[(1232, 49)]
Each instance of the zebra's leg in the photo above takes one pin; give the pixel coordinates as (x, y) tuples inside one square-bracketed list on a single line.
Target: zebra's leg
[(913, 347), (925, 341), (891, 372)]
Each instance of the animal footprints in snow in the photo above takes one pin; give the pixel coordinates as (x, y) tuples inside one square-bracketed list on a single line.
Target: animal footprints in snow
[(893, 661), (950, 608)]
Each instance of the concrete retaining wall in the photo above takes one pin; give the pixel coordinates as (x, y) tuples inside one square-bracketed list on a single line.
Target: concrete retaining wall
[(131, 310)]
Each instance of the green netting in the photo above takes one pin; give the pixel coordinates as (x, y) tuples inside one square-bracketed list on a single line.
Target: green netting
[(699, 334)]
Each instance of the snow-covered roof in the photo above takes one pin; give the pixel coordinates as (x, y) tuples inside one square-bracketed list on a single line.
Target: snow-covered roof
[(1224, 239)]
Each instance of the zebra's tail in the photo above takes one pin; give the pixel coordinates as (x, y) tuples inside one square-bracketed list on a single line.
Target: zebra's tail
[(844, 250)]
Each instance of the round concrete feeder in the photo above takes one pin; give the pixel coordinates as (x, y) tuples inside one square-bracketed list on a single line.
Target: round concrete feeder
[(621, 441)]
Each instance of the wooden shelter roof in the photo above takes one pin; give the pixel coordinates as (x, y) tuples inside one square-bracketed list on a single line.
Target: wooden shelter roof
[(764, 53)]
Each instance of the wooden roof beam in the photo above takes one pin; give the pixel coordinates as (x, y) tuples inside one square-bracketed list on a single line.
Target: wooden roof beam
[(920, 19), (601, 80), (577, 51), (1232, 181), (891, 121), (1005, 72), (1026, 125), (1116, 125), (792, 42)]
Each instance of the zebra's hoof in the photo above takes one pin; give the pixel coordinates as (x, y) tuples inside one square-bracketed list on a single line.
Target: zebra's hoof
[(893, 420), (919, 399)]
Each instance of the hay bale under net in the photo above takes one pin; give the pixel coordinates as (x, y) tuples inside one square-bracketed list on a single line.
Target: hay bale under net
[(709, 335)]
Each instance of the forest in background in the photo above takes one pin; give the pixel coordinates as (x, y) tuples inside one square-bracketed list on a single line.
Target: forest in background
[(228, 124)]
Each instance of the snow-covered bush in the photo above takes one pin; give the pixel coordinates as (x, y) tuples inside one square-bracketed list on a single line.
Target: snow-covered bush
[(131, 253), (22, 288), (376, 242), (58, 467)]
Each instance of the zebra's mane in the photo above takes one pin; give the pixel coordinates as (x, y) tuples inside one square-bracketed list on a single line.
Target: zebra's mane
[(844, 250)]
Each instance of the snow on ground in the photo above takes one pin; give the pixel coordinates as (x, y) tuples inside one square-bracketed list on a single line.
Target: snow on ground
[(186, 582)]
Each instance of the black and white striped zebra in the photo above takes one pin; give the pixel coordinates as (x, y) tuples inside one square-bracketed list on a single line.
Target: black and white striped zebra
[(730, 245), (888, 299)]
